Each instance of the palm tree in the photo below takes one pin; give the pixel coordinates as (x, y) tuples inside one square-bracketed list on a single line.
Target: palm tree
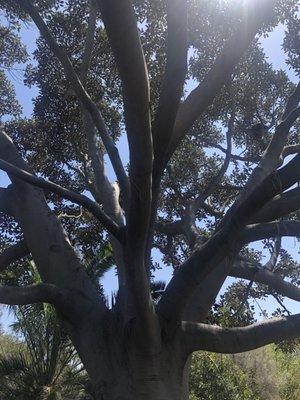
[(44, 364)]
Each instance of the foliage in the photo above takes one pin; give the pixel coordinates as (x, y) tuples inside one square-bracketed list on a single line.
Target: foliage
[(289, 373), (9, 345), (216, 377), (12, 52), (262, 374), (233, 308), (272, 373)]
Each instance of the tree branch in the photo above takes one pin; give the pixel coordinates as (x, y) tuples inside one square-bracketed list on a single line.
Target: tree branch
[(56, 260), (81, 93), (103, 191), (186, 225), (254, 232), (292, 102), (252, 159), (292, 149), (205, 295), (6, 201), (42, 292), (170, 228), (210, 210), (200, 98), (277, 298), (250, 272), (271, 263), (174, 78), (236, 340), (13, 253), (279, 206), (121, 27), (76, 198), (101, 188)]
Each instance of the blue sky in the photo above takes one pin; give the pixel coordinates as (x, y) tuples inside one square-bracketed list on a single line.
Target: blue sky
[(275, 55)]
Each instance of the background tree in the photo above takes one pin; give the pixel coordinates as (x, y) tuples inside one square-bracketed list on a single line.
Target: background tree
[(202, 181), (261, 374), (43, 364)]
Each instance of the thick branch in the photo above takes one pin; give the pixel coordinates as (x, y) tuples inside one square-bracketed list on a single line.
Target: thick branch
[(12, 254), (174, 79), (77, 198), (121, 27), (292, 102), (254, 232), (200, 98), (81, 93), (292, 149), (205, 295), (49, 245), (101, 188), (6, 202), (237, 340), (170, 228), (281, 205), (42, 292)]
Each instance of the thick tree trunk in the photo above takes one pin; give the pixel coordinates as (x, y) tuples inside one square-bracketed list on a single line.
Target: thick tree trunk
[(140, 379), (121, 369)]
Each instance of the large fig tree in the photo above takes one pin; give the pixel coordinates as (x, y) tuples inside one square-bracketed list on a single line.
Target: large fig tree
[(210, 171)]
